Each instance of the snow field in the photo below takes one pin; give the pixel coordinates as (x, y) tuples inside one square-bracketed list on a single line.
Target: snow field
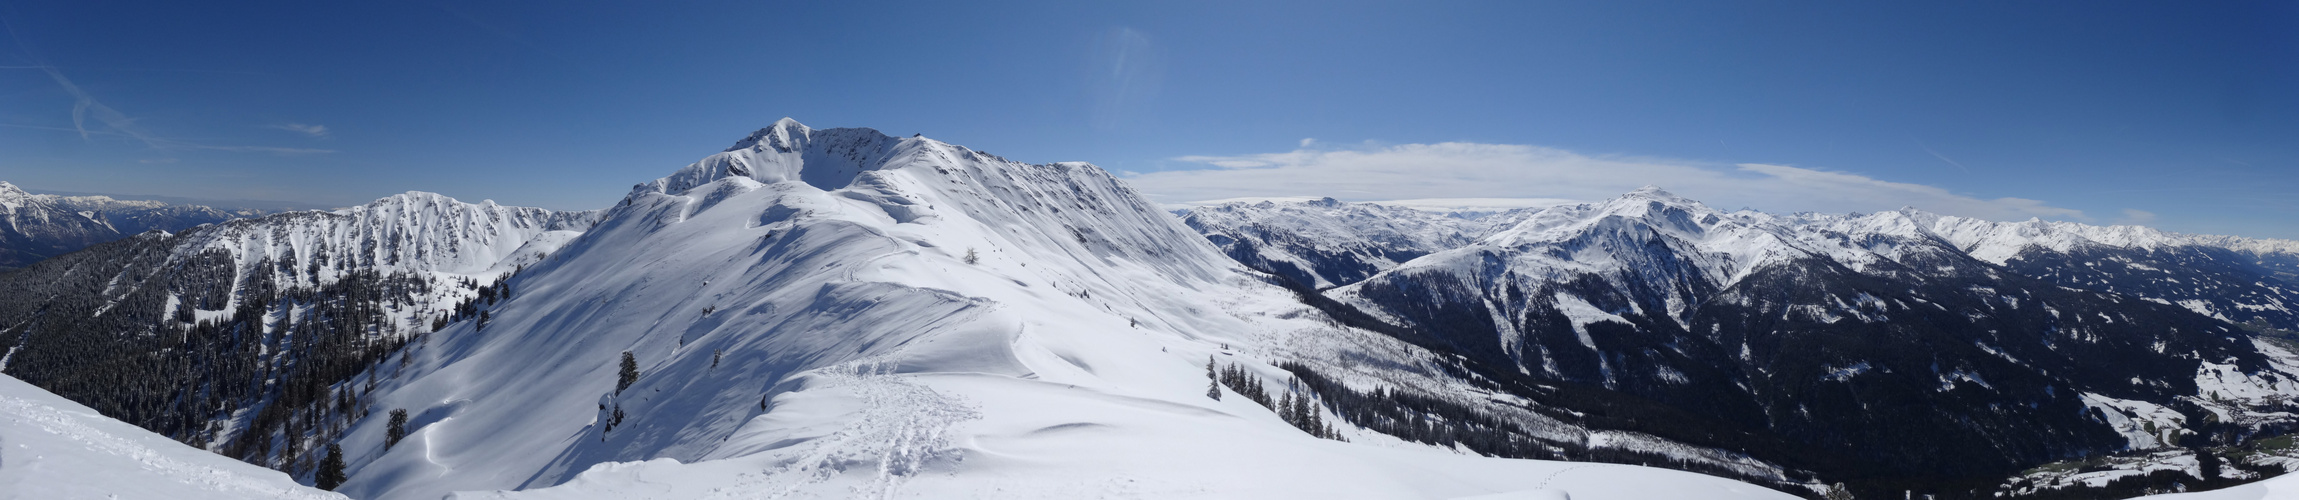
[(52, 448)]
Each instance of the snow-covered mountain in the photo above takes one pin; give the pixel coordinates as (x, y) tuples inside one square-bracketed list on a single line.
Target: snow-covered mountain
[(229, 334), (136, 216), (39, 226), (53, 448), (2242, 280), (1326, 243), (1798, 326), (839, 313), (33, 227)]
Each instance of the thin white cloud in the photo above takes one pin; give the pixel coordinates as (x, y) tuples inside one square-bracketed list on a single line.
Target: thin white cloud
[(1942, 157), (263, 149), (1124, 75), (85, 108), (1457, 170), (2136, 217), (316, 131)]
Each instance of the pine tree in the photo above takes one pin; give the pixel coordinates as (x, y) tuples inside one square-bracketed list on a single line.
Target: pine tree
[(397, 429), (331, 469), (972, 258), (714, 355), (1213, 380), (1317, 423), (1285, 410), (630, 373)]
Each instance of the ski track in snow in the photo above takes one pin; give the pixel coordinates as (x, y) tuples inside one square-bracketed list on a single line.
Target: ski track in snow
[(903, 427)]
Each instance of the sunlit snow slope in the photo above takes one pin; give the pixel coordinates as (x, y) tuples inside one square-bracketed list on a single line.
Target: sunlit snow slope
[(839, 313), (53, 448)]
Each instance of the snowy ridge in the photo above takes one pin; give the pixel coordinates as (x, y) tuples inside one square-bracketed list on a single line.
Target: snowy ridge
[(413, 231), (1998, 242), (837, 313), (425, 234), (1710, 249), (1324, 242), (54, 448)]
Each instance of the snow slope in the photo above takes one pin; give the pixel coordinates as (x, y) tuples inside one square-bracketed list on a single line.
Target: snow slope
[(54, 449), (2284, 487), (839, 313)]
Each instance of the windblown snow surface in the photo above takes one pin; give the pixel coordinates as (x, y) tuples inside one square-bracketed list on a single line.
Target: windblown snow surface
[(807, 324), (54, 449), (2279, 488)]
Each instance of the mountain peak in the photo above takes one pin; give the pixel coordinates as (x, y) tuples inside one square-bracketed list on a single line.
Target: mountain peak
[(781, 135), (1652, 192)]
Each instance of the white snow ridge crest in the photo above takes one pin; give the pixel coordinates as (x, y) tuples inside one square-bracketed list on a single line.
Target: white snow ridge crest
[(839, 313)]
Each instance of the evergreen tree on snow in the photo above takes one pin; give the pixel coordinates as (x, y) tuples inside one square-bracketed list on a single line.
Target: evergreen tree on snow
[(630, 373), (331, 469), (1212, 380), (397, 429)]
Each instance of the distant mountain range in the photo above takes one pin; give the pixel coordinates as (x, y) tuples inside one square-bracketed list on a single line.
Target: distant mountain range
[(1999, 346), (844, 313), (38, 226)]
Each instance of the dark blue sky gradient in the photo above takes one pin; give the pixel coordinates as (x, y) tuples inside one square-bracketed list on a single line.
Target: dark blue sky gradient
[(2184, 110)]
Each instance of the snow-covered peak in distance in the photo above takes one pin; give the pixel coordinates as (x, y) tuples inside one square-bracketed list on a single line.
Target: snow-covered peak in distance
[(1998, 242), (54, 448), (1324, 242), (34, 227), (11, 197)]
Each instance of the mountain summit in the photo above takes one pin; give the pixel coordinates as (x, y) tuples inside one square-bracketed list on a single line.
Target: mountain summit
[(833, 312)]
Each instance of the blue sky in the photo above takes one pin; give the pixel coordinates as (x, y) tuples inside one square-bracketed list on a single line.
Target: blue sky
[(2178, 116)]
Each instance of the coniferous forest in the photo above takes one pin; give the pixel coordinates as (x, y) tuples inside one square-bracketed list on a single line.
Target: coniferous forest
[(290, 364)]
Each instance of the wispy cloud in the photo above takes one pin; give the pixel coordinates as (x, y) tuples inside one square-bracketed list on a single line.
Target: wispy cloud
[(263, 149), (317, 131), (91, 118), (1455, 170), (1126, 71), (2136, 217), (1942, 157), (85, 107)]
